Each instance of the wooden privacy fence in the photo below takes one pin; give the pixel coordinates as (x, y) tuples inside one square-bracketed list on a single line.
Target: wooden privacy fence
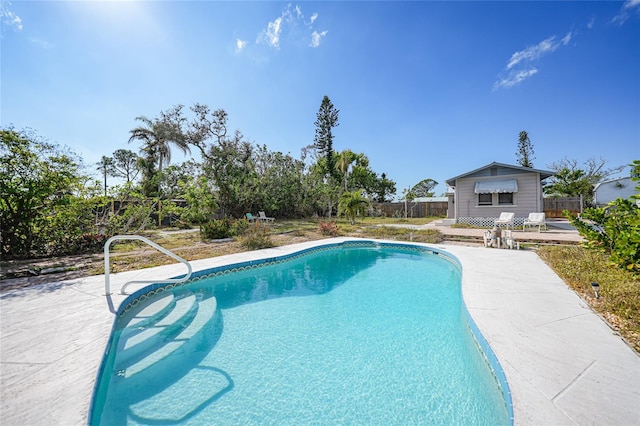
[(437, 208), (553, 207)]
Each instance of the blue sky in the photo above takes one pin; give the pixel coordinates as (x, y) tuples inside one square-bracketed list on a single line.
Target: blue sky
[(424, 89)]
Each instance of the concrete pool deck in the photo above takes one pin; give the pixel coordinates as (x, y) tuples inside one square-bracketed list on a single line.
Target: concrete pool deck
[(564, 365)]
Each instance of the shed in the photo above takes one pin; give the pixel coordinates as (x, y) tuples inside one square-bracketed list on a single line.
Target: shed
[(482, 194), (610, 190)]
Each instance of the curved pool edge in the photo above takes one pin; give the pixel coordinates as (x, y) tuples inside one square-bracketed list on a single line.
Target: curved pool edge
[(270, 257)]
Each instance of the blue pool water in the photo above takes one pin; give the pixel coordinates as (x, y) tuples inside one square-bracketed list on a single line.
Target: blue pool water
[(368, 334)]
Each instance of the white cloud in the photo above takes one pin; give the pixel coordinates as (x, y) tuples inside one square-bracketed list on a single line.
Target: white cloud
[(630, 4), (316, 38), (271, 35), (520, 65), (591, 23), (627, 7), (240, 44), (514, 77), (291, 26), (9, 18), (534, 52)]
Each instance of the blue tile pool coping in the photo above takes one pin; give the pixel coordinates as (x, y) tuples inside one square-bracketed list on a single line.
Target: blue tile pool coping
[(134, 299)]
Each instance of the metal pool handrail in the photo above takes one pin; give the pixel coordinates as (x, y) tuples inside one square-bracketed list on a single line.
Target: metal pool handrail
[(107, 284)]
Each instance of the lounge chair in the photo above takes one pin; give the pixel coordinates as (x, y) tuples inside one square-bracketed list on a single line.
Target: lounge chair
[(535, 219), (263, 217), (250, 217), (505, 219)]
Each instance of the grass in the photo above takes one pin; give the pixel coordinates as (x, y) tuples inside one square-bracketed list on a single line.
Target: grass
[(619, 301)]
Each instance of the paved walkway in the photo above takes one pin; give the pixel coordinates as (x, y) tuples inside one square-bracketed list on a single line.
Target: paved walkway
[(565, 366)]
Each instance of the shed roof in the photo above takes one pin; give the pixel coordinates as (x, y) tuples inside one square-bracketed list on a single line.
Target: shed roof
[(543, 173)]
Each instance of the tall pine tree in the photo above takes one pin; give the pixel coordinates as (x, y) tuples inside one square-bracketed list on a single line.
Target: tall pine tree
[(326, 119), (525, 150)]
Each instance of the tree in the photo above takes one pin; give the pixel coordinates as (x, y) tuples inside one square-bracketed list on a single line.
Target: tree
[(353, 204), (343, 160), (572, 180), (37, 182), (280, 190), (206, 125), (174, 177), (326, 119), (384, 189), (104, 166), (524, 154), (125, 164), (157, 136), (568, 183), (229, 165), (424, 188)]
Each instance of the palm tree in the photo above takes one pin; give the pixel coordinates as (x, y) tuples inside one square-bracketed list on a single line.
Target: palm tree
[(353, 204), (104, 165), (157, 137), (343, 160)]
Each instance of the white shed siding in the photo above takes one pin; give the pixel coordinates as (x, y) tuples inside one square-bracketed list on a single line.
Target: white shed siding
[(614, 189), (528, 198)]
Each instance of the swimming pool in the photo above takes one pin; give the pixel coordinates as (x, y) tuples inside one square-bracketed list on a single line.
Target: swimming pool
[(350, 333)]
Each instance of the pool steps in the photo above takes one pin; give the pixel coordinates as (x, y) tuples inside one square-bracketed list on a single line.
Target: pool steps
[(139, 340), (152, 311), (171, 331)]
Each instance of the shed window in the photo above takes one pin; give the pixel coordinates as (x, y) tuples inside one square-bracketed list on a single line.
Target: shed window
[(485, 199), (505, 198)]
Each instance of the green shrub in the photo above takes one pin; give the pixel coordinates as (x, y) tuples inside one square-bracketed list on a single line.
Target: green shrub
[(328, 228), (75, 244), (216, 229), (614, 230), (239, 227), (257, 236)]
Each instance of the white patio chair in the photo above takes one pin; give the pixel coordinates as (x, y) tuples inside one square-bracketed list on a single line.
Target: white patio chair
[(505, 218), (263, 217), (535, 219)]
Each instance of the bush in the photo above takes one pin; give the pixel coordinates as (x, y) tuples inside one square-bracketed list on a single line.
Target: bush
[(223, 228), (328, 228), (614, 230), (216, 229), (88, 243), (239, 227), (74, 244), (257, 237)]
